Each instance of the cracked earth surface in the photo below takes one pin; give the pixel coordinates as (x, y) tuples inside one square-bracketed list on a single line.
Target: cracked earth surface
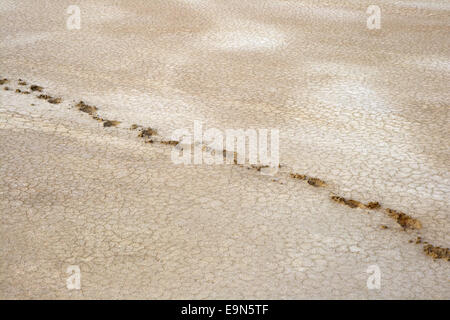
[(366, 112)]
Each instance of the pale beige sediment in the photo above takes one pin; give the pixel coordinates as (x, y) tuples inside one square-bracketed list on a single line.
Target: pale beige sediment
[(366, 111)]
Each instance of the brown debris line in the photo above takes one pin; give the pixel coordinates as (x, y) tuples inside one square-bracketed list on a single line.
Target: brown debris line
[(225, 153), (262, 166), (147, 133), (170, 142), (373, 205), (44, 96), (259, 167), (54, 100), (298, 176), (111, 123), (348, 202), (437, 252), (235, 157), (49, 99), (316, 182), (36, 88), (434, 252), (83, 107), (404, 220), (356, 204), (20, 91)]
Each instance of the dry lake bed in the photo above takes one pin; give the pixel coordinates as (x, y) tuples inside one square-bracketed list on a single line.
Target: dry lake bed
[(93, 97)]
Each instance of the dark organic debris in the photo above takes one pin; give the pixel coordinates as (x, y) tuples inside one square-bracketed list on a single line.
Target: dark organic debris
[(404, 220), (54, 100), (147, 133), (259, 167), (49, 99), (356, 204), (373, 205), (437, 252), (36, 88), (316, 182), (298, 176), (170, 142), (91, 110), (348, 202), (111, 123), (227, 155), (20, 91)]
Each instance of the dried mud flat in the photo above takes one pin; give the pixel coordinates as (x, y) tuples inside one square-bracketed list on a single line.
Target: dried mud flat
[(86, 183)]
